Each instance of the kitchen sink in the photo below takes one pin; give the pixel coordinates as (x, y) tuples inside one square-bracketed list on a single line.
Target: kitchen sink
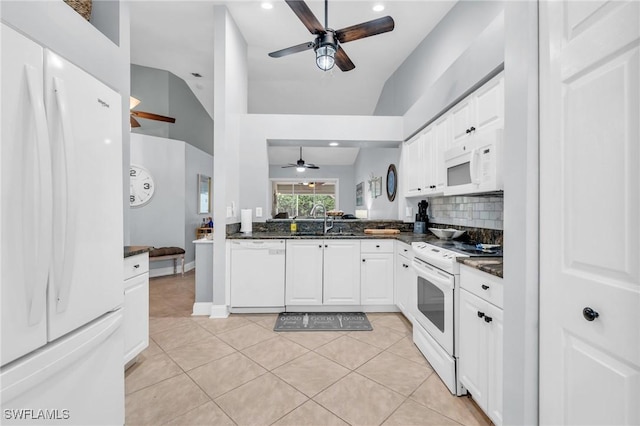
[(327, 235)]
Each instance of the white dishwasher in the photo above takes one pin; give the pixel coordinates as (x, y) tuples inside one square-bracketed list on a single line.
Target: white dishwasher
[(257, 275)]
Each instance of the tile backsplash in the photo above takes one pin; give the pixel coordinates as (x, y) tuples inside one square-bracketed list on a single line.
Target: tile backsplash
[(478, 211)]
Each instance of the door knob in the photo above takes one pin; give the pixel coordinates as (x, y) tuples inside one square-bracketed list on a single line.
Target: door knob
[(589, 314)]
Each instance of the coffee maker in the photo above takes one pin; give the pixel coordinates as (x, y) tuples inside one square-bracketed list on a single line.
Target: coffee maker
[(422, 220)]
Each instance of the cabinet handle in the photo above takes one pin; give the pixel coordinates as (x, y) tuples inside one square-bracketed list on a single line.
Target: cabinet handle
[(488, 319), (468, 131), (405, 250), (326, 246), (480, 314), (136, 266), (319, 245), (364, 260), (377, 245), (589, 314), (406, 266), (485, 287)]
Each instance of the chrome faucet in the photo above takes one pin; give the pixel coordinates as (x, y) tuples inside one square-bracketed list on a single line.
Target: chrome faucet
[(324, 211)]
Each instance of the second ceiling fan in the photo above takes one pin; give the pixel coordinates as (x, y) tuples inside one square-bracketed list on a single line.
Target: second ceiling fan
[(327, 42)]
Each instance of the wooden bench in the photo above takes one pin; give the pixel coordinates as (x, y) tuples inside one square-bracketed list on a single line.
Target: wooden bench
[(168, 253)]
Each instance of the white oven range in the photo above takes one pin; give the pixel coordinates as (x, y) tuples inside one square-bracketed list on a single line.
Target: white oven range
[(435, 331)]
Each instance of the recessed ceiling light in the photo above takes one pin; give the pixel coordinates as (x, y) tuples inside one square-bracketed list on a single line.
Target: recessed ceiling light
[(266, 5), (378, 7), (334, 144)]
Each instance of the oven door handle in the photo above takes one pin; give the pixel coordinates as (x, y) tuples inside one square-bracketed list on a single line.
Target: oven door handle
[(441, 279)]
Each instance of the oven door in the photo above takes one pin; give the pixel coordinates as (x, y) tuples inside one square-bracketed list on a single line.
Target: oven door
[(435, 303)]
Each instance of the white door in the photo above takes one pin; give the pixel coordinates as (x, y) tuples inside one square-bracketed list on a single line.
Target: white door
[(85, 122), (414, 175), (589, 212), (341, 272), (304, 272), (25, 176)]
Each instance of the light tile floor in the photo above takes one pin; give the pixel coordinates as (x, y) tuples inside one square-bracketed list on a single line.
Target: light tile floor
[(202, 371)]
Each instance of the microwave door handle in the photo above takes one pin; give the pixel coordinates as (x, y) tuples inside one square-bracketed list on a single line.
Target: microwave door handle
[(473, 166)]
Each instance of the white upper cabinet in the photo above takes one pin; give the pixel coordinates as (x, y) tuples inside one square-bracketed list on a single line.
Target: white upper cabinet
[(469, 124), (414, 171), (480, 112)]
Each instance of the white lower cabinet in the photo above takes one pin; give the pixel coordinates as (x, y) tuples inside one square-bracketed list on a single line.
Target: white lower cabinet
[(304, 260), (480, 353), (405, 280), (377, 272), (323, 272), (341, 272), (136, 306)]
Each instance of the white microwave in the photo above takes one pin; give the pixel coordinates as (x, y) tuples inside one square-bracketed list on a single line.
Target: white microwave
[(475, 167)]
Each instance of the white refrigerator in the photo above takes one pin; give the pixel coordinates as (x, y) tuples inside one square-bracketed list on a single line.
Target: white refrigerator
[(61, 244)]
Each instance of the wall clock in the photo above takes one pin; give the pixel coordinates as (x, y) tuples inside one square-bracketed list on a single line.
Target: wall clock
[(141, 186), (392, 182)]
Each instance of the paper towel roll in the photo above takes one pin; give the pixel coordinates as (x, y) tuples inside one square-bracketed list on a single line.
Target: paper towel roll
[(245, 220)]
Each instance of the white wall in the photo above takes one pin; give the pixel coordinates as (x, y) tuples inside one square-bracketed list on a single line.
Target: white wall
[(161, 222), (170, 218), (196, 162), (256, 129), (230, 103), (377, 161)]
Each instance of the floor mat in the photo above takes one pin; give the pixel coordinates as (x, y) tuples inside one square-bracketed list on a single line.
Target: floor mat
[(322, 321)]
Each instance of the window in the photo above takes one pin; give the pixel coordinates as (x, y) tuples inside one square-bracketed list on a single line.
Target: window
[(298, 198)]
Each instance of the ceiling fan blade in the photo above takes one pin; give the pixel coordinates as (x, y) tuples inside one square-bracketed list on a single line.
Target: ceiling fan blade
[(311, 166), (366, 29), (134, 122), (343, 61), (293, 49), (150, 116), (289, 165), (307, 17)]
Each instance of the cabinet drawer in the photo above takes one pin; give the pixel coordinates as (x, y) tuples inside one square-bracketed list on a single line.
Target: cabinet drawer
[(376, 246), (482, 284), (136, 265)]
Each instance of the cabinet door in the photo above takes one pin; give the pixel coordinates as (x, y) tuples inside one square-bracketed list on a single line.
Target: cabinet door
[(495, 332), (442, 138), (461, 121), (136, 316), (304, 272), (473, 342), (402, 283), (489, 105), (341, 273), (428, 175), (377, 279), (413, 174)]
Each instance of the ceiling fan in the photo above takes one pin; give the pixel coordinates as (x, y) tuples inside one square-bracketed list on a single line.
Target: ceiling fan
[(327, 44), (300, 165), (133, 102)]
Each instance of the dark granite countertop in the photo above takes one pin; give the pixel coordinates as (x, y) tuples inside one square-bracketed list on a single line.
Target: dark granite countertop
[(135, 250), (405, 237), (490, 265)]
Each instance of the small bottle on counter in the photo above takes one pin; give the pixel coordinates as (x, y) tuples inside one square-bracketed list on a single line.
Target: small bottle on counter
[(294, 226)]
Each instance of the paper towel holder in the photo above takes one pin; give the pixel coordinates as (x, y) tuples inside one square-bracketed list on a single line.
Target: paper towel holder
[(246, 218)]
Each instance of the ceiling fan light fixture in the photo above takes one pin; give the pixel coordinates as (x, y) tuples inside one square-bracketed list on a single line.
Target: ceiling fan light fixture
[(325, 57), (299, 169)]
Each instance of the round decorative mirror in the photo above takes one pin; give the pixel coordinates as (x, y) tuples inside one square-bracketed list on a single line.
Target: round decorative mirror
[(392, 182)]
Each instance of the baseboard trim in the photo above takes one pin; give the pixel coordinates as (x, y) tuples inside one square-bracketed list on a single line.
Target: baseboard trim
[(168, 270), (202, 308), (219, 311)]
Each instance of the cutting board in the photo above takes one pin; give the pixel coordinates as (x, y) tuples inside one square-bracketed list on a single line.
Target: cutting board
[(382, 231)]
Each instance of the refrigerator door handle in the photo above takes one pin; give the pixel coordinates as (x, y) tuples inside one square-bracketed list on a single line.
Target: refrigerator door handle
[(67, 243), (37, 287)]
